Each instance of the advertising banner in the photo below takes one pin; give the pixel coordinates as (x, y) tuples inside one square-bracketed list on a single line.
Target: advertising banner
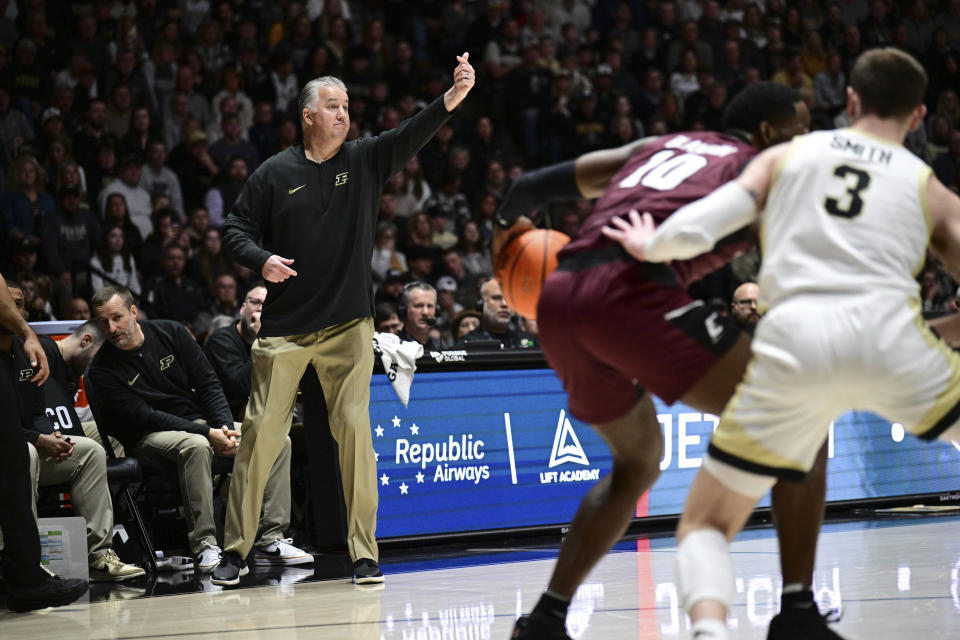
[(484, 450)]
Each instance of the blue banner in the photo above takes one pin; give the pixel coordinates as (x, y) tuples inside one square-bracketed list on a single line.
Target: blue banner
[(482, 450)]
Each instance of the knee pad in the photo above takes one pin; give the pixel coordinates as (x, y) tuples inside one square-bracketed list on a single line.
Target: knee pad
[(704, 569)]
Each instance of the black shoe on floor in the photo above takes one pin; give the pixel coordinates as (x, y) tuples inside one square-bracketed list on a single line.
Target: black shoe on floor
[(803, 624), (54, 591), (367, 571), (539, 627), (228, 572)]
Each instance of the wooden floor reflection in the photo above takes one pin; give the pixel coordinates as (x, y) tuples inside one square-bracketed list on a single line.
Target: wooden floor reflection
[(889, 581)]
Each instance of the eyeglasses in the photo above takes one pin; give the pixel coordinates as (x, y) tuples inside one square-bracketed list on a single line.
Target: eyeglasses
[(253, 302), (749, 302)]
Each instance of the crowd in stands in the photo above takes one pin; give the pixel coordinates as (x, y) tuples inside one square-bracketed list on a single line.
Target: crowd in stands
[(127, 128)]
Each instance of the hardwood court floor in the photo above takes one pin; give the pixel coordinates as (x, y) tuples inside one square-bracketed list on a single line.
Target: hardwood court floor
[(898, 579)]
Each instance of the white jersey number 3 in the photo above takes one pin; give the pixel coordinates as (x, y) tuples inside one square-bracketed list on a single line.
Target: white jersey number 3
[(665, 170)]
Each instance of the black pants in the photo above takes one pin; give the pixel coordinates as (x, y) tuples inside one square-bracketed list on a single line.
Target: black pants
[(21, 553)]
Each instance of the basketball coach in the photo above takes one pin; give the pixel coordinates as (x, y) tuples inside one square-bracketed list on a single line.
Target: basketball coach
[(305, 221)]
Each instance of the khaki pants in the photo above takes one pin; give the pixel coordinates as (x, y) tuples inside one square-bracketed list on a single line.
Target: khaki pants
[(193, 455), (86, 473), (343, 358)]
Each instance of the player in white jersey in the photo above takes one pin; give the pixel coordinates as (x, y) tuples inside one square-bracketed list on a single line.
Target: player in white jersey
[(847, 216)]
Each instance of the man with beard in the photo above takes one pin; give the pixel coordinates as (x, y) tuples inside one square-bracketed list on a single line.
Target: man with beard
[(743, 307), (165, 400), (496, 321)]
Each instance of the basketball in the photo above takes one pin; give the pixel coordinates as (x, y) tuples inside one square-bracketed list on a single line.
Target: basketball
[(524, 264)]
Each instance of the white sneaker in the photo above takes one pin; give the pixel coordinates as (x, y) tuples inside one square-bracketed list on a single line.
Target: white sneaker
[(284, 575), (208, 558), (110, 568), (281, 552)]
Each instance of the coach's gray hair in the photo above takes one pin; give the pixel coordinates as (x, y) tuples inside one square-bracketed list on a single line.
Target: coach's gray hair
[(308, 95)]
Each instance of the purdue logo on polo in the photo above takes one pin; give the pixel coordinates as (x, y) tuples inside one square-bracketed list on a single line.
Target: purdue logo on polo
[(25, 374), (341, 179), (165, 362)]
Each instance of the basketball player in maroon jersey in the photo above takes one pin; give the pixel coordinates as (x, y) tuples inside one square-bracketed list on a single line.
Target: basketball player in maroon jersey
[(616, 330)]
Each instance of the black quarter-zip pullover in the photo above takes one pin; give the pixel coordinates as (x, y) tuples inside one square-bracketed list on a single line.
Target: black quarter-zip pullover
[(164, 385), (323, 215)]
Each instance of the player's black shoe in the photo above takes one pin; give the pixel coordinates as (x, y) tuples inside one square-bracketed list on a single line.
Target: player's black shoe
[(803, 624), (539, 627)]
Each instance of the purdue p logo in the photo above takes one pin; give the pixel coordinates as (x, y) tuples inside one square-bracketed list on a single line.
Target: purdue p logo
[(165, 362), (25, 374), (341, 179)]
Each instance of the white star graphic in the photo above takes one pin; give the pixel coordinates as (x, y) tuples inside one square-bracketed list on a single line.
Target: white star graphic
[(396, 422), (384, 480), (419, 478), (376, 456), (379, 431), (415, 430), (403, 488)]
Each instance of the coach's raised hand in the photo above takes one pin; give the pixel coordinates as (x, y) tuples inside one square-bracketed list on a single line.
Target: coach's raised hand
[(464, 77)]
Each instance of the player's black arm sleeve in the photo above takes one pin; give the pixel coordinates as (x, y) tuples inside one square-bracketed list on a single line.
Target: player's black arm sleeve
[(586, 177), (556, 183)]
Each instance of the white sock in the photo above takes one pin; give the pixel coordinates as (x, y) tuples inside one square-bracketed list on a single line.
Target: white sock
[(704, 569), (795, 587), (709, 629)]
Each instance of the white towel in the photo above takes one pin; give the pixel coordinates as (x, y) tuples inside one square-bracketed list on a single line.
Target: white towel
[(399, 360)]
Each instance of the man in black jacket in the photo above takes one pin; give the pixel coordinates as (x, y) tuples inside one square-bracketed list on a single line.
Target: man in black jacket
[(28, 586), (228, 350), (418, 312), (496, 321), (59, 452), (155, 391), (316, 204)]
